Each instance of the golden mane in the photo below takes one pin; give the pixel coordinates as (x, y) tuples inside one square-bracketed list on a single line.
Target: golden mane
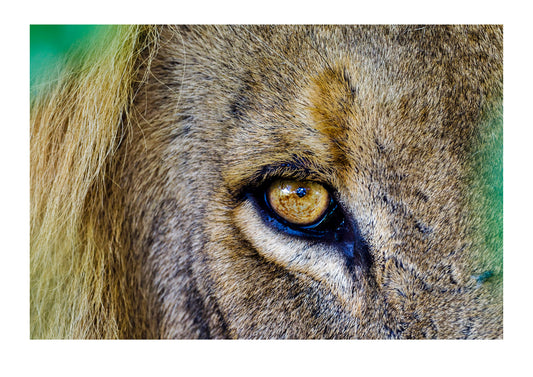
[(77, 123)]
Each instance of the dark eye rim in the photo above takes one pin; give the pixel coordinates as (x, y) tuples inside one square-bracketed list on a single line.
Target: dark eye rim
[(330, 227)]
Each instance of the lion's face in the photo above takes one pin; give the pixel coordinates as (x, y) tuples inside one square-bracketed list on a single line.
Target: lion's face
[(382, 125)]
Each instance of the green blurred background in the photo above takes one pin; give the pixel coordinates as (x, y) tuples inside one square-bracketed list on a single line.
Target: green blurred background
[(50, 43)]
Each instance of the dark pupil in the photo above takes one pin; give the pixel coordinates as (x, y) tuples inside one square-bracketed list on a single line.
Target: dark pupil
[(301, 191)]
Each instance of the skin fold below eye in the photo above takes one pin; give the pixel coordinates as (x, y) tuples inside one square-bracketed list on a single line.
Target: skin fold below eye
[(298, 202)]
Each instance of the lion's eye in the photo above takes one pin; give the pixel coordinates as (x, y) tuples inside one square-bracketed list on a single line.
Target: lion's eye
[(301, 203), (307, 209)]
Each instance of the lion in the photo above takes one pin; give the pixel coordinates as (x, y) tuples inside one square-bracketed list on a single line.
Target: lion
[(270, 182)]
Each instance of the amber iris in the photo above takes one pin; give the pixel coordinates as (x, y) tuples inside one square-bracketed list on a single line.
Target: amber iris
[(298, 202)]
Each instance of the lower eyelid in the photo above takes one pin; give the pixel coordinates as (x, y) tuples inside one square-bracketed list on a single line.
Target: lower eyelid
[(261, 207), (319, 260)]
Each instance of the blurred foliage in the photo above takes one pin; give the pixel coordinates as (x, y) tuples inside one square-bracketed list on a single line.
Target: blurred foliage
[(492, 173), (49, 44)]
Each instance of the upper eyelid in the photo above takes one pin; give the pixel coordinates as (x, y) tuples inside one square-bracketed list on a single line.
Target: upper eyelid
[(298, 169)]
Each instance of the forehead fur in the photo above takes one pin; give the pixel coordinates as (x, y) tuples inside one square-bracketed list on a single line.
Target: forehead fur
[(350, 95)]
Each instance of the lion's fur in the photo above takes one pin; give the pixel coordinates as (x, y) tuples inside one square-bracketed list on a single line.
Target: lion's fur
[(142, 157), (77, 124)]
